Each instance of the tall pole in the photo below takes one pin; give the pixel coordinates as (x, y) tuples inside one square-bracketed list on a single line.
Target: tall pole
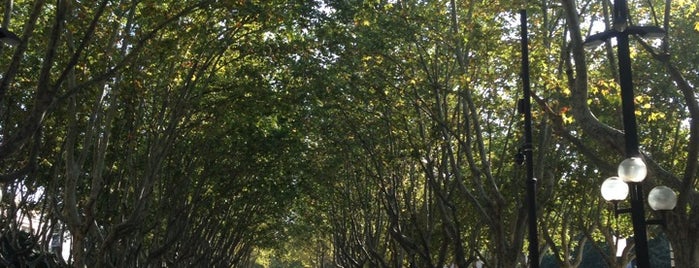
[(638, 218), (621, 32), (528, 154)]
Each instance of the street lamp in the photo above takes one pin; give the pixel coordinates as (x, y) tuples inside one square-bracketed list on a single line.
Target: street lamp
[(662, 198), (615, 189), (633, 166), (632, 171)]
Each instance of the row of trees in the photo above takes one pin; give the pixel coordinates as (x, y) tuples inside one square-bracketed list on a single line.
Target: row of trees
[(332, 133)]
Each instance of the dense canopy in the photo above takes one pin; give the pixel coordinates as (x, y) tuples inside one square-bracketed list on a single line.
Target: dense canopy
[(335, 133)]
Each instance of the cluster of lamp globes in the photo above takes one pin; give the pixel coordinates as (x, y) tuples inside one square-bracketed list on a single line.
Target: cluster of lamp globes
[(633, 170)]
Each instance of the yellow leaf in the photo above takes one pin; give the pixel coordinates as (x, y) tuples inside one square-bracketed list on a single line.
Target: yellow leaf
[(567, 119), (566, 91), (657, 116)]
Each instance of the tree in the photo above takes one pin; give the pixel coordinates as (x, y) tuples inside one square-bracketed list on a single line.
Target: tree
[(104, 137)]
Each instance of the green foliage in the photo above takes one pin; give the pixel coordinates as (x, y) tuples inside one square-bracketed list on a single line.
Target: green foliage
[(317, 133)]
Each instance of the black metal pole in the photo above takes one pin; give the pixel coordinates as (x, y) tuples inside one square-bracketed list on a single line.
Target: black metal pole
[(528, 154), (638, 218), (622, 31)]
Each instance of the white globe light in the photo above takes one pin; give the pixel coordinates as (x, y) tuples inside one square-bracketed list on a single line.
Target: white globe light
[(662, 198), (614, 189), (632, 169)]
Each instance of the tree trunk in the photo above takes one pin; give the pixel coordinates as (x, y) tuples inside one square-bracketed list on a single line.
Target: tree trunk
[(684, 238)]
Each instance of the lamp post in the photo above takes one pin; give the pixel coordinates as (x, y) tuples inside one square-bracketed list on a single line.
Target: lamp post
[(633, 167), (527, 149)]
